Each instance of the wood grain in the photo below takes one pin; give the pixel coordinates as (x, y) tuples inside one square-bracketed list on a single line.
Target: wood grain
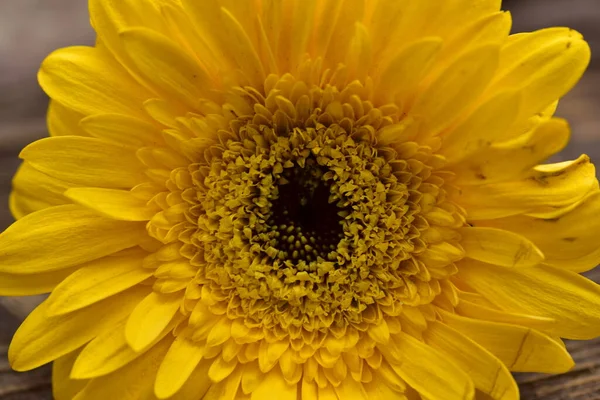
[(30, 29)]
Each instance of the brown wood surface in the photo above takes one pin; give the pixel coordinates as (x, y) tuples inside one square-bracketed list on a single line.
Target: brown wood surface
[(29, 29)]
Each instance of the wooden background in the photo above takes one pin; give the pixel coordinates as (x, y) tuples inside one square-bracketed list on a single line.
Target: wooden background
[(30, 29)]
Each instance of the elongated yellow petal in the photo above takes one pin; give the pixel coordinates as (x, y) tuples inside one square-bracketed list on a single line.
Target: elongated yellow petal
[(359, 55), (544, 64), (41, 339), (118, 204), (81, 160), (272, 385), (326, 393), (121, 130), (150, 317), (351, 390), (174, 73), (62, 237), (496, 162), (457, 87), (226, 389), (568, 241), (85, 80), (109, 17), (197, 384), (342, 31), (499, 247), (491, 27), (488, 373), (405, 71), (426, 369), (127, 384), (569, 298), (567, 184), (27, 285), (537, 352), (478, 311), (33, 190), (109, 352), (489, 123), (63, 121), (221, 370), (98, 280), (63, 387), (379, 390), (206, 17), (242, 48), (179, 364)]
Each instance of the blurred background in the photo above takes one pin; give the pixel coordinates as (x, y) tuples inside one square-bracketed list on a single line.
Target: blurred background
[(30, 29)]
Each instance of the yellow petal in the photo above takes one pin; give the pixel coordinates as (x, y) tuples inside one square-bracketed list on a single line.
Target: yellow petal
[(98, 280), (179, 364), (86, 80), (427, 370), (569, 241), (27, 285), (242, 48), (499, 247), (134, 382), (302, 25), (491, 27), (114, 203), (358, 59), (63, 121), (565, 184), (456, 15), (274, 386), (121, 130), (221, 369), (489, 123), (520, 349), (457, 87), (405, 71), (62, 237), (33, 190), (545, 291), (109, 351), (226, 389), (150, 317), (351, 390), (378, 389), (174, 73), (109, 17), (478, 311), (219, 333), (496, 162), (326, 393), (379, 333), (85, 161), (545, 65), (342, 31), (488, 373), (41, 339), (63, 387), (197, 384)]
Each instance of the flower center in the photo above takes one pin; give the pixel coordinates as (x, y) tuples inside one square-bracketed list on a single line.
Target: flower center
[(311, 217), (305, 221)]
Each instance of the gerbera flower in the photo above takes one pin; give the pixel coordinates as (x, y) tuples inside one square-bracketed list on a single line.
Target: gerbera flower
[(304, 200)]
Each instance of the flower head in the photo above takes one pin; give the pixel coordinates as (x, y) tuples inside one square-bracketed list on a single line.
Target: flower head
[(303, 200)]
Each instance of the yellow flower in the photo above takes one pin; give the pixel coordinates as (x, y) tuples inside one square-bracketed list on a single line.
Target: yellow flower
[(298, 200)]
